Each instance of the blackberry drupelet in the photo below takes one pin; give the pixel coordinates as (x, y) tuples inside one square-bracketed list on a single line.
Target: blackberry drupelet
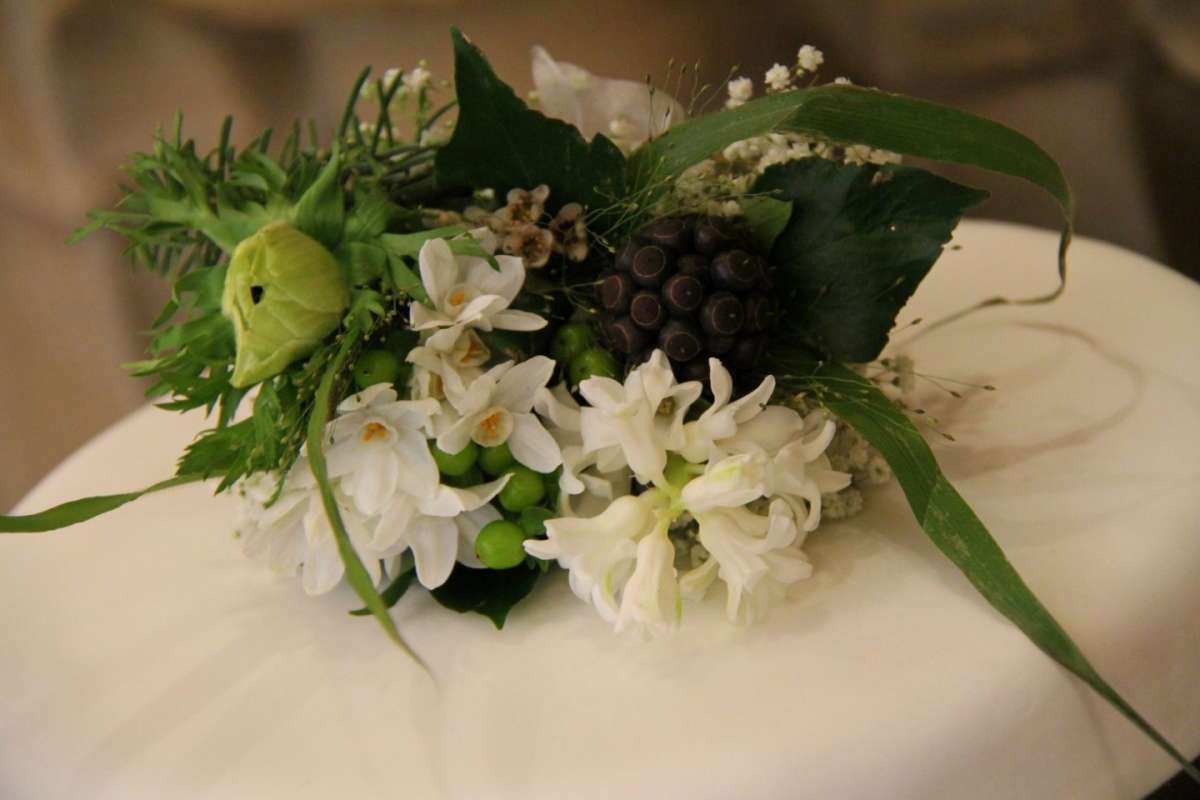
[(694, 287)]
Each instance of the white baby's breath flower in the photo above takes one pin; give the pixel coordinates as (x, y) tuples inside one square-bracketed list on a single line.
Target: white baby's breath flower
[(809, 58), (740, 91), (417, 78), (593, 104), (496, 408), (778, 78), (467, 292)]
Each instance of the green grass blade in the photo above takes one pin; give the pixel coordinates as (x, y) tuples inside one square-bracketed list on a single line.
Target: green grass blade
[(83, 509), (955, 529), (356, 573)]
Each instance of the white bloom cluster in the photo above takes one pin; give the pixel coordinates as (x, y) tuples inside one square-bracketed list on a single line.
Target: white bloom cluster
[(385, 479), (750, 476)]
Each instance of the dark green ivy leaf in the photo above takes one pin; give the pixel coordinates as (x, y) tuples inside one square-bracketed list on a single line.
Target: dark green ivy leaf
[(500, 143), (490, 592), (855, 248)]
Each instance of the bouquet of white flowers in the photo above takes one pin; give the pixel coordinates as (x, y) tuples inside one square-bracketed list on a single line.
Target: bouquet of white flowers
[(472, 338)]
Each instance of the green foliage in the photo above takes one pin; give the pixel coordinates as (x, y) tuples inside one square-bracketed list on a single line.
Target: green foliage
[(500, 143), (83, 509), (953, 527), (492, 593), (854, 115), (393, 593), (855, 248)]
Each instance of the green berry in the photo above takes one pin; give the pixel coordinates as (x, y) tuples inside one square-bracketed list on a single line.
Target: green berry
[(376, 366), (499, 545), (455, 464), (472, 477), (495, 460), (569, 341), (593, 362), (533, 521), (524, 489)]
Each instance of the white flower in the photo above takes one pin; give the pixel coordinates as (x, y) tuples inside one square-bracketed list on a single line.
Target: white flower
[(467, 292), (740, 90), (778, 78), (378, 447), (389, 77), (274, 534), (731, 482), (497, 407), (756, 556), (722, 419), (637, 422), (603, 554), (809, 58), (594, 105), (439, 530), (323, 567), (417, 78), (583, 489)]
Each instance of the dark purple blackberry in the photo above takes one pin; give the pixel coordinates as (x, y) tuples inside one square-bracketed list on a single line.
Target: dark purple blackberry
[(693, 287)]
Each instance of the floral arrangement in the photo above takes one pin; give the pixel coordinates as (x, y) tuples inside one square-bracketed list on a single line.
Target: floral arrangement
[(473, 338)]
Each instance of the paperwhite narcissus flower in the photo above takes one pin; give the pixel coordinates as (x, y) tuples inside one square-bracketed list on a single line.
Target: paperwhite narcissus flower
[(439, 530), (467, 292), (274, 534), (497, 408), (378, 448), (637, 422), (323, 568), (627, 111), (603, 553)]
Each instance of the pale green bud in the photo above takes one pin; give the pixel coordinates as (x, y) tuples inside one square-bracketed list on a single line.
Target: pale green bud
[(284, 293)]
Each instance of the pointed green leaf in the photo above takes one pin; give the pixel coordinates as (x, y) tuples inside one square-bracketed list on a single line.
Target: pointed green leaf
[(321, 210), (356, 573), (83, 509), (500, 143), (955, 529), (854, 115), (855, 248)]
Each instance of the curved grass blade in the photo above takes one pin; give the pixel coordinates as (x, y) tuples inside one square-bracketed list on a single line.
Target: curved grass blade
[(955, 529), (356, 573), (855, 115), (83, 509)]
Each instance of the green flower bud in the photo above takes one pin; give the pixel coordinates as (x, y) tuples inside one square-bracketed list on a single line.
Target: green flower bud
[(284, 294)]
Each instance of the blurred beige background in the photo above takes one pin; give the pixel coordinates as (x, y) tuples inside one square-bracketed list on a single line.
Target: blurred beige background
[(84, 83)]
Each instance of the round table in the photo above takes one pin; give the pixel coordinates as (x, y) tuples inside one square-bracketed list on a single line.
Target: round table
[(144, 657)]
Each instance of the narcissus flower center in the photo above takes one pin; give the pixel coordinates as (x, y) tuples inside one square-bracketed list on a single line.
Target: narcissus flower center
[(373, 431)]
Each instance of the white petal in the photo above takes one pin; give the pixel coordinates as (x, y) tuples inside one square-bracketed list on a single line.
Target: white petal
[(434, 544), (517, 388), (450, 501), (532, 445), (650, 599), (513, 320), (439, 270)]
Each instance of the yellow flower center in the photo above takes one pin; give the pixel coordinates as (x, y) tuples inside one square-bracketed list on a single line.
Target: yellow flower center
[(373, 431)]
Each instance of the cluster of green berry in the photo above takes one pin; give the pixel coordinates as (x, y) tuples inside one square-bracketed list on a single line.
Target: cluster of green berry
[(574, 347), (526, 500)]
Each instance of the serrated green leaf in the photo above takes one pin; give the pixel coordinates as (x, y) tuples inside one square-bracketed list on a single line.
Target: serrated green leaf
[(958, 533), (855, 248), (489, 592), (83, 509), (854, 115), (500, 143)]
